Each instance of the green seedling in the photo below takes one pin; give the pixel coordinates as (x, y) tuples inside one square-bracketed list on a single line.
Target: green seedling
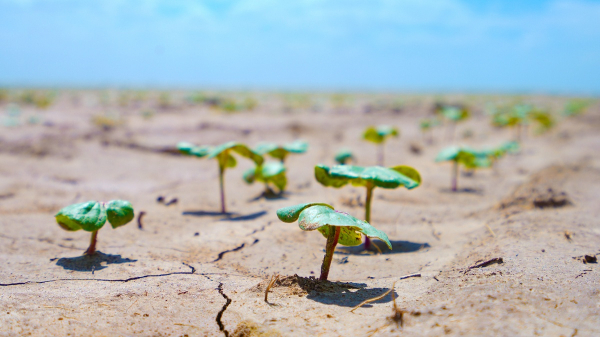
[(281, 151), (519, 116), (426, 126), (469, 158), (92, 215), (454, 114), (344, 156), (337, 227), (223, 154), (272, 173), (575, 107), (368, 177), (378, 135)]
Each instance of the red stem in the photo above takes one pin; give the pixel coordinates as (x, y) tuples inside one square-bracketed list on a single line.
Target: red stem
[(332, 241)]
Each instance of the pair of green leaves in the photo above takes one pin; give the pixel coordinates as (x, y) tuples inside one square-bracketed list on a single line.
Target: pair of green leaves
[(281, 151), (223, 153), (393, 177), (271, 172), (461, 155), (323, 218), (380, 133), (92, 215), (453, 113)]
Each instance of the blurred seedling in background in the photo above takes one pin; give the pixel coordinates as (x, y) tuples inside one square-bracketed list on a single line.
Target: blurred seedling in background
[(379, 135), (281, 151), (469, 158), (271, 174), (337, 227), (344, 156), (519, 116), (453, 114), (427, 126), (575, 107), (107, 121), (92, 215), (368, 177), (224, 155), (40, 99)]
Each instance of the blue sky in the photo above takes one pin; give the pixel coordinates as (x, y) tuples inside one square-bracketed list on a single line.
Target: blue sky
[(548, 46)]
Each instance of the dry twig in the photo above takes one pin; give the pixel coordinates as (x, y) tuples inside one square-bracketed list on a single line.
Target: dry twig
[(386, 293), (274, 279)]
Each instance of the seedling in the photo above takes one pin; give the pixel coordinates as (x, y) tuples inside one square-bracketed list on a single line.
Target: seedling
[(378, 135), (268, 173), (426, 126), (368, 177), (223, 154), (344, 156), (92, 215), (519, 116), (575, 107), (467, 157), (336, 226), (281, 151), (454, 114)]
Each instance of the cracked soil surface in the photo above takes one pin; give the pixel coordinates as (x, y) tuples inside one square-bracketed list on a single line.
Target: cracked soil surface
[(191, 271)]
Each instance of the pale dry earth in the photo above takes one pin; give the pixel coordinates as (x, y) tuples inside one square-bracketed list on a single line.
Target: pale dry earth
[(168, 280)]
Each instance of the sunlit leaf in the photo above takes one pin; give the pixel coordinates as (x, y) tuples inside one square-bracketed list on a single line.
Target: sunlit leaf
[(89, 216)]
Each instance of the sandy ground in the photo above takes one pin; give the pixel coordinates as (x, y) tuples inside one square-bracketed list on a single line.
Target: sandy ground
[(190, 270)]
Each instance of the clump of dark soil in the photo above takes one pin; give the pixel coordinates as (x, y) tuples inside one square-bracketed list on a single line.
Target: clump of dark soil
[(298, 285), (545, 189)]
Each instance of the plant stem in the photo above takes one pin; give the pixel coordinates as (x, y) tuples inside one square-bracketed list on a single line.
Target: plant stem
[(92, 248), (454, 175), (368, 212), (221, 175), (332, 241)]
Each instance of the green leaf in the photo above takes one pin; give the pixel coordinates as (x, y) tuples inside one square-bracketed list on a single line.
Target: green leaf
[(455, 114), (250, 176), (264, 148), (298, 146), (340, 175), (185, 147), (291, 213), (343, 156), (280, 152), (408, 172), (271, 172), (240, 149), (379, 134), (280, 181), (192, 150), (317, 216), (119, 212), (447, 154), (89, 216)]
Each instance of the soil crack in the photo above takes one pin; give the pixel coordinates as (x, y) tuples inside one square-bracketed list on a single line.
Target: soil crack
[(220, 314), (220, 256)]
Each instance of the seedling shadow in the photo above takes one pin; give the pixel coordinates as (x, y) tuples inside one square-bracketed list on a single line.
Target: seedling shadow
[(467, 190), (91, 262), (270, 196), (251, 216), (207, 213), (398, 247), (343, 296)]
